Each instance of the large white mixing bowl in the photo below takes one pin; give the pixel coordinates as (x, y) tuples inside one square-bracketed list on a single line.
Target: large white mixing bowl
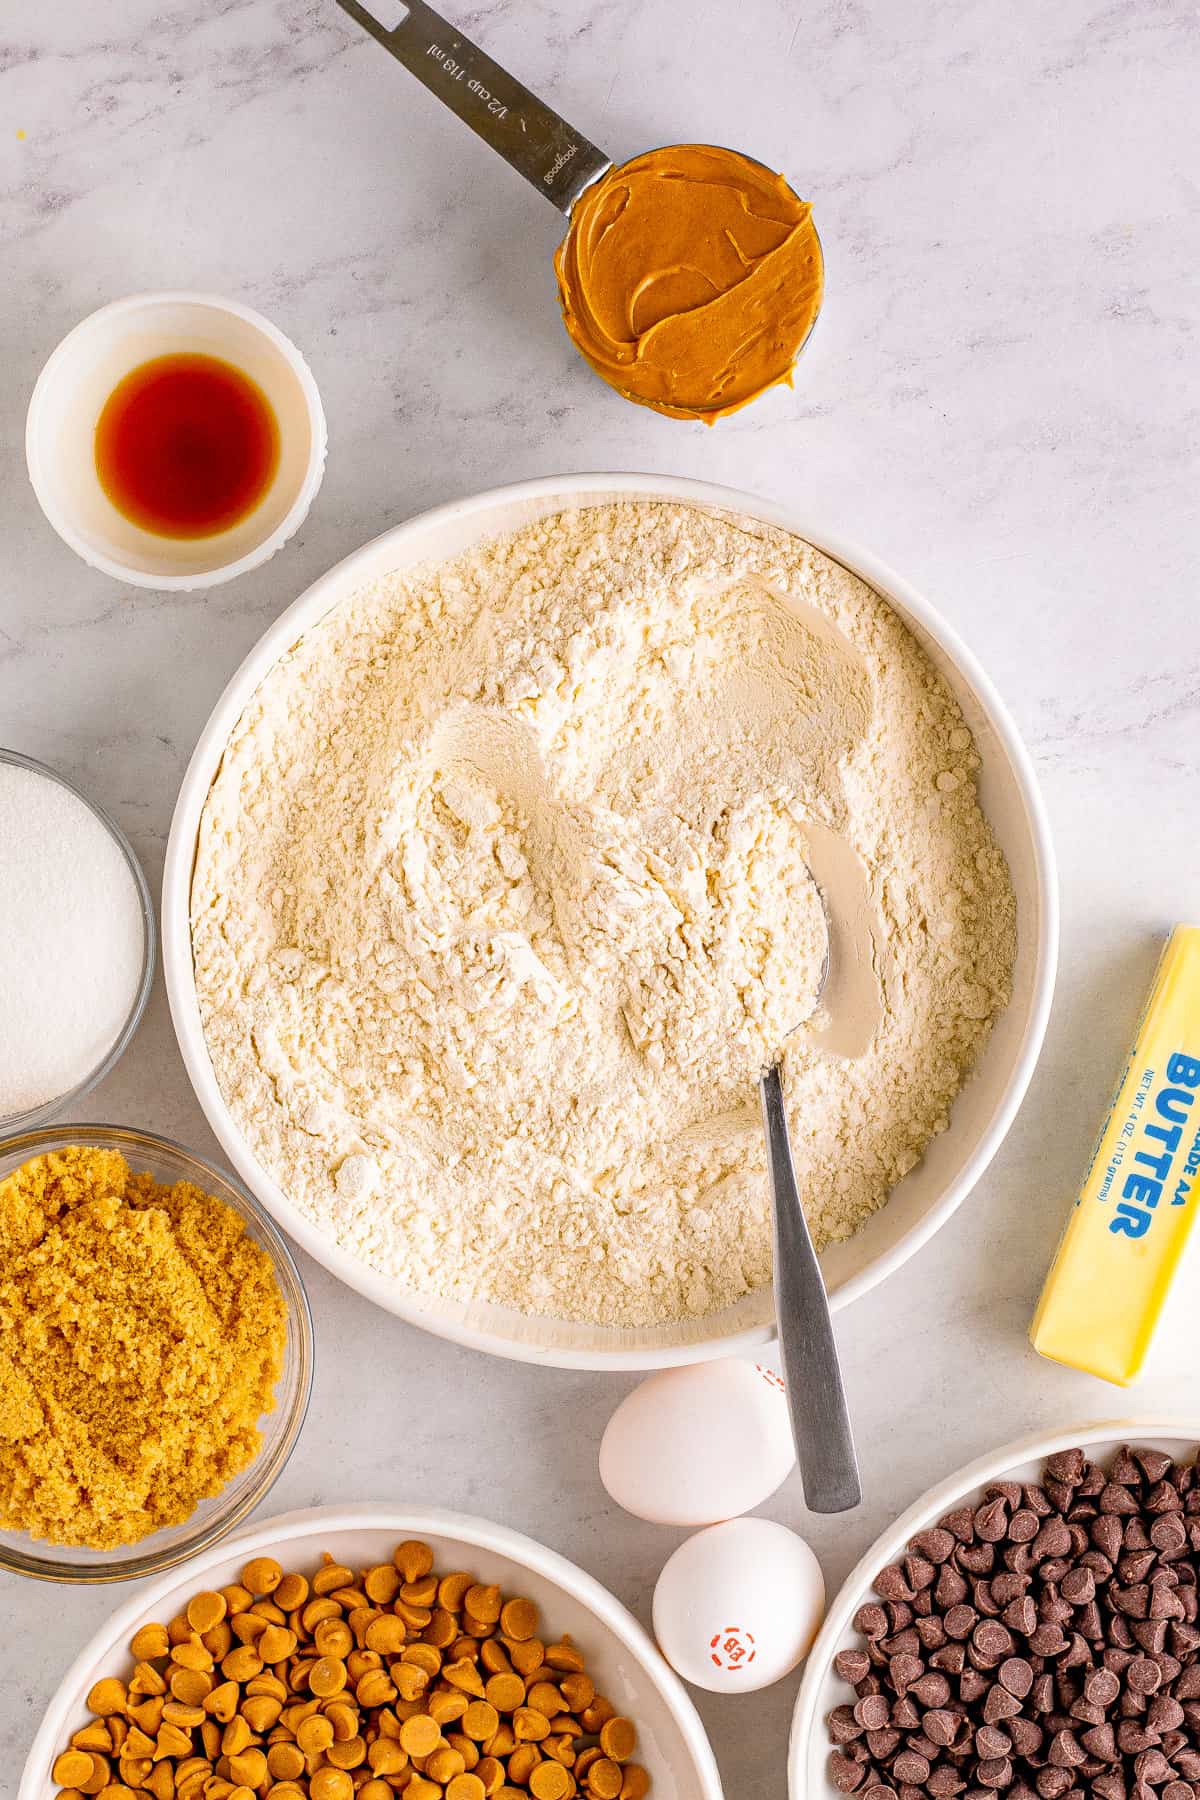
[(983, 1111)]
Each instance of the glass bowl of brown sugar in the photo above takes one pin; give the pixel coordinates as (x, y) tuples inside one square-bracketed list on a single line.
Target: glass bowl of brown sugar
[(158, 1356)]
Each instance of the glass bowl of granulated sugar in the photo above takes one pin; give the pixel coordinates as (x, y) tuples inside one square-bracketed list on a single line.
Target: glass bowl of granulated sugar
[(77, 947)]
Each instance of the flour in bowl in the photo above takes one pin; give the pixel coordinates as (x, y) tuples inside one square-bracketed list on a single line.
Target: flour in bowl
[(517, 869)]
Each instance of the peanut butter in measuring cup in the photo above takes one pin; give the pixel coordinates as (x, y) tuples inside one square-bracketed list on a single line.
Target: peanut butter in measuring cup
[(690, 277)]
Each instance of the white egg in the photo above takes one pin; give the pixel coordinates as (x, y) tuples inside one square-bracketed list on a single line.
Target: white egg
[(694, 1445), (739, 1605)]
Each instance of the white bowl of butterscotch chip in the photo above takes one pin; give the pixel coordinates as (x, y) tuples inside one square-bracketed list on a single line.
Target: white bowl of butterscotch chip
[(425, 1650)]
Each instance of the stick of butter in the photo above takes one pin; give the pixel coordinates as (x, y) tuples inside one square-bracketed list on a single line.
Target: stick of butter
[(1127, 1232)]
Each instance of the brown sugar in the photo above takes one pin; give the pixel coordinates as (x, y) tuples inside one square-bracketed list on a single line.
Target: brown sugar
[(142, 1332)]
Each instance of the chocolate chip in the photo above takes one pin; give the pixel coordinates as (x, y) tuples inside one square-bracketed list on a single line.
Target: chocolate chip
[(991, 1642), (1168, 1534), (873, 1713), (1117, 1500), (844, 1774), (1078, 1586), (1000, 1704), (1144, 1675), (882, 1743), (852, 1665), (932, 1690), (1101, 1742), (910, 1767), (892, 1584), (1016, 1674), (1021, 1616)]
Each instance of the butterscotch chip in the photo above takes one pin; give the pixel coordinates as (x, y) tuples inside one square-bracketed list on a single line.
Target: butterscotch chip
[(523, 1761), (527, 1655), (285, 1762), (413, 1559), (372, 1790), (466, 1787), (636, 1783), (333, 1637), (578, 1691), (314, 1735), (375, 1688), (248, 1768), (505, 1692), (483, 1603), (420, 1734), (72, 1767), (382, 1583), (236, 1736), (347, 1754), (444, 1763), (149, 1642), (171, 1741), (327, 1676), (604, 1779), (291, 1592), (93, 1737), (518, 1619), (420, 1789), (452, 1590), (344, 1719), (387, 1635), (107, 1696), (463, 1674), (529, 1725), (490, 1771), (331, 1784), (276, 1644), (261, 1712), (550, 1781), (205, 1610), (480, 1720), (618, 1738), (330, 1577), (447, 1706), (262, 1575), (544, 1697)]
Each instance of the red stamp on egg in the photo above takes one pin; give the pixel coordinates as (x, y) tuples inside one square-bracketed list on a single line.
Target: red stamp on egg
[(733, 1648)]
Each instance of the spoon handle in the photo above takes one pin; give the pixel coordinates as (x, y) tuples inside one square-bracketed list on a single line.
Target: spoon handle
[(557, 159), (816, 1398)]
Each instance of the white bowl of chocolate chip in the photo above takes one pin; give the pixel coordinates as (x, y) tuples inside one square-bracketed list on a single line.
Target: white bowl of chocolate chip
[(1028, 1630)]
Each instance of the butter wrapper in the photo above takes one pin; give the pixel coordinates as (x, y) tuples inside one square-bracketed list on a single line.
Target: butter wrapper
[(1129, 1226)]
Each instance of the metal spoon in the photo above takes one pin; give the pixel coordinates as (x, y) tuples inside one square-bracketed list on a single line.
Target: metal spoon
[(541, 146), (816, 1396)]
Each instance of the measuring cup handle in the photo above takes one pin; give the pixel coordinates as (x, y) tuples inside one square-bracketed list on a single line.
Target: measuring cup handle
[(816, 1397), (557, 159)]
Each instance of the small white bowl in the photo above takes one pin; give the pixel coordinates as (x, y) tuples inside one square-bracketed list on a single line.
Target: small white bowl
[(672, 1744), (71, 390), (823, 1688), (982, 1112)]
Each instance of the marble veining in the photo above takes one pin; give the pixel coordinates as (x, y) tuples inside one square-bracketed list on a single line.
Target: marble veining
[(1001, 399)]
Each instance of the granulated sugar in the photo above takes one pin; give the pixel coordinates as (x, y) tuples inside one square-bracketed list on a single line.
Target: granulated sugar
[(511, 880), (71, 940)]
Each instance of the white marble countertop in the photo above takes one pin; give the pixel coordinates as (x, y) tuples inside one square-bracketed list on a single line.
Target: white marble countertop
[(1001, 400)]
